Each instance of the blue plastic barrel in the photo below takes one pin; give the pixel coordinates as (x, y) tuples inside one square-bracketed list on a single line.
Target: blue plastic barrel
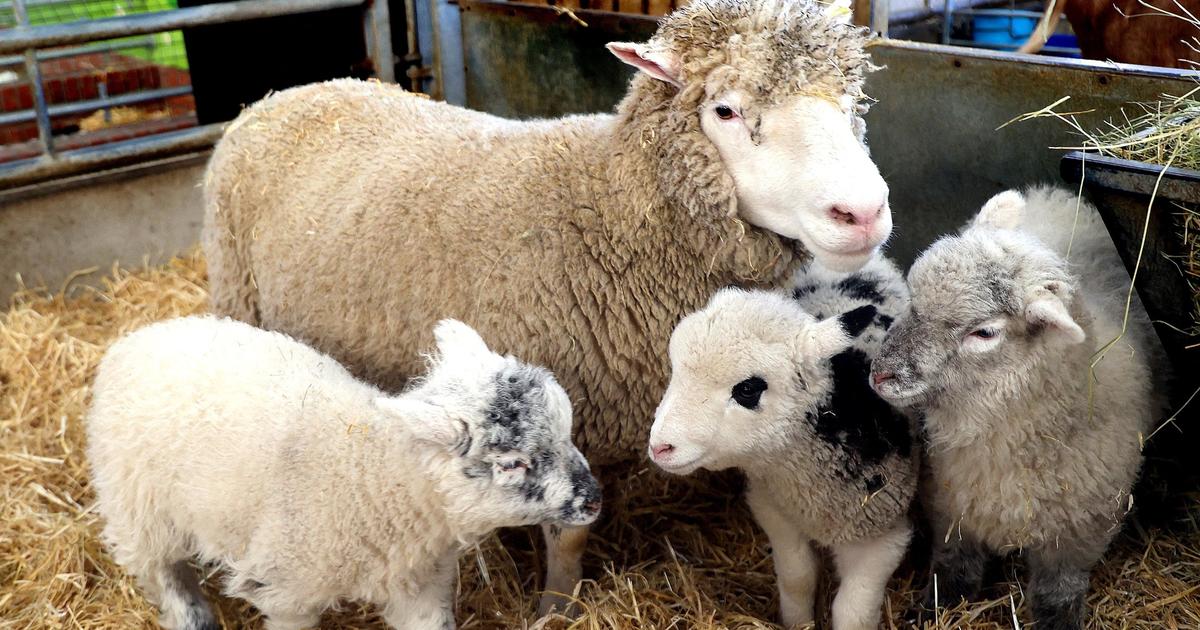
[(1003, 30)]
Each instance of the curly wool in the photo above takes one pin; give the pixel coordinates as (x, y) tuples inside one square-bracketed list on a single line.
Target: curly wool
[(772, 50), (354, 215)]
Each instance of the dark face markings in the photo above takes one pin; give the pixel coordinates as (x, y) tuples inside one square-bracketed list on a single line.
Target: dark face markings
[(857, 419), (748, 392)]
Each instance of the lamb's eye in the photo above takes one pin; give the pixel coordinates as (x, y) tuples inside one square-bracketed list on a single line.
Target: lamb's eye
[(984, 333), (725, 112), (514, 465), (747, 392)]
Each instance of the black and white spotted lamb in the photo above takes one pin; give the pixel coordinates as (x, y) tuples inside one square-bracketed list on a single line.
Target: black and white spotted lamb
[(776, 386)]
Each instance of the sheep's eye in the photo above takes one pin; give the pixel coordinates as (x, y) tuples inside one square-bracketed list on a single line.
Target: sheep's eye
[(514, 465), (725, 112), (747, 392), (984, 333)]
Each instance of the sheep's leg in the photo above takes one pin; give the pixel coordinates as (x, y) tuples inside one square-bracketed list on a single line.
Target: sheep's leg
[(429, 608), (865, 567), (1058, 590), (956, 573), (180, 601), (796, 567), (564, 566)]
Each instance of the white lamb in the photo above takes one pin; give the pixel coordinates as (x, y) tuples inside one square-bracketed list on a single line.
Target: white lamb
[(1028, 449), (759, 384), (246, 449)]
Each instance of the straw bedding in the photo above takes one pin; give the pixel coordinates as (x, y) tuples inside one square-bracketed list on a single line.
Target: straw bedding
[(669, 553)]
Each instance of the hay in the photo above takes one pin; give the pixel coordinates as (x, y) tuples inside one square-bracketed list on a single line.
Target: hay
[(669, 552), (1164, 133)]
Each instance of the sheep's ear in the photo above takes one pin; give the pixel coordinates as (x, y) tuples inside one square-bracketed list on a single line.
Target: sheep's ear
[(1004, 211), (824, 339), (428, 422), (456, 339), (1046, 308), (660, 64), (839, 11)]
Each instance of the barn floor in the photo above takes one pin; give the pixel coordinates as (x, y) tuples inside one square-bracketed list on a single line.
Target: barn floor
[(669, 553)]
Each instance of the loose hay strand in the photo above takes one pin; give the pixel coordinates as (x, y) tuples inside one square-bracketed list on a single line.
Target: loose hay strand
[(670, 553)]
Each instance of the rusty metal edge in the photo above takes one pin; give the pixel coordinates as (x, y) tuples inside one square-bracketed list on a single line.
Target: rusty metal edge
[(113, 175), (1176, 184), (982, 54)]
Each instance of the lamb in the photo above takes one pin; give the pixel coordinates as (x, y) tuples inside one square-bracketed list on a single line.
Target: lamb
[(778, 388), (1026, 451), (246, 449), (353, 215)]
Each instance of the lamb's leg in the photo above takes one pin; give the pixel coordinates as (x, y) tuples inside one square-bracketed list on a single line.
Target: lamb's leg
[(865, 567), (430, 608), (280, 620), (1058, 590), (956, 572), (180, 601), (564, 566), (796, 567)]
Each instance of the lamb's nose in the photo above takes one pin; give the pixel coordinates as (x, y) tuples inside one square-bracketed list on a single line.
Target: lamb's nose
[(879, 378), (861, 215), (661, 449)]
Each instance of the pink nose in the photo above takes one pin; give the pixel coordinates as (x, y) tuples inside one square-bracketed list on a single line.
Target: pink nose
[(661, 449), (861, 215), (879, 377)]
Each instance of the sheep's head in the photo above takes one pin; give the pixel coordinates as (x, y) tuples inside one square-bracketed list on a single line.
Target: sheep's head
[(988, 307), (509, 423), (747, 371), (756, 106)]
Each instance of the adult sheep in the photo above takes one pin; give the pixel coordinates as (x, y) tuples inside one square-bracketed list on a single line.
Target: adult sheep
[(354, 216)]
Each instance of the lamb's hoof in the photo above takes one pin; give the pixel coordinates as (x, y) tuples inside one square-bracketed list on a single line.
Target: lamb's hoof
[(557, 604)]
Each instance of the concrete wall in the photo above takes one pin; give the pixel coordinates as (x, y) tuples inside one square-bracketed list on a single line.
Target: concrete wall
[(145, 211)]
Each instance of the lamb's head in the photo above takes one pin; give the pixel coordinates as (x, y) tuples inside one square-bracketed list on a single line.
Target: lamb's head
[(509, 425), (989, 307), (756, 106), (747, 371)]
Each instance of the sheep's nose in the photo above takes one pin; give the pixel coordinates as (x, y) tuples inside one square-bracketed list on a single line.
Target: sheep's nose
[(592, 506), (857, 214), (878, 378), (659, 450)]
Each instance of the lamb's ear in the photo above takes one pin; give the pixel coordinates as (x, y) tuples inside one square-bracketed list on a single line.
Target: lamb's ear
[(1046, 308), (426, 421), (660, 64), (824, 339), (839, 11), (456, 339), (1004, 210)]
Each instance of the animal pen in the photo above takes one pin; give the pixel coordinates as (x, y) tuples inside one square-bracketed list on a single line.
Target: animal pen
[(81, 187)]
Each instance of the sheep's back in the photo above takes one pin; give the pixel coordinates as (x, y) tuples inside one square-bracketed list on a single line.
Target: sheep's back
[(367, 215)]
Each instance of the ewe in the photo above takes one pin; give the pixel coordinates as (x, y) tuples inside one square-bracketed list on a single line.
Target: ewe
[(246, 449), (353, 215), (1028, 449), (759, 384)]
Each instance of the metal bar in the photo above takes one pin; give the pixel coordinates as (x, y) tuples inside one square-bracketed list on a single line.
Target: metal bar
[(109, 155), (377, 28), (881, 16), (1010, 47), (24, 36), (80, 107), (34, 72), (947, 20), (1001, 12), (60, 53)]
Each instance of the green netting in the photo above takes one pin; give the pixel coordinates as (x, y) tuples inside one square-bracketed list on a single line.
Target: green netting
[(160, 48)]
